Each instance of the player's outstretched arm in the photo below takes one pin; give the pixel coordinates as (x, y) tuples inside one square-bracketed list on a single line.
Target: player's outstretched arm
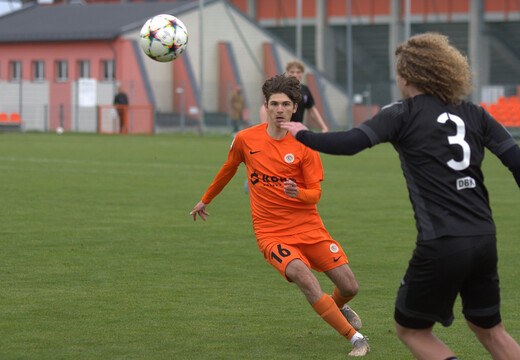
[(200, 209), (337, 143)]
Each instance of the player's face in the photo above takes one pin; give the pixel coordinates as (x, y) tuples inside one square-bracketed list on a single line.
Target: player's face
[(296, 72), (280, 109)]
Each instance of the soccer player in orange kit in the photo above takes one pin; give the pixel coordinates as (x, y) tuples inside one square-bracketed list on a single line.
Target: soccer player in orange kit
[(284, 180)]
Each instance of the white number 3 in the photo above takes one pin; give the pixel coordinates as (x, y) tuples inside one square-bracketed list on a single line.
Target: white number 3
[(457, 139)]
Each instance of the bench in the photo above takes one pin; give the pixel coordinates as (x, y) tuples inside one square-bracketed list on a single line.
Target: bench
[(10, 124)]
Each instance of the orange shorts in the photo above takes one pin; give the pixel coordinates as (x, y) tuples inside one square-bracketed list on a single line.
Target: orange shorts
[(315, 248)]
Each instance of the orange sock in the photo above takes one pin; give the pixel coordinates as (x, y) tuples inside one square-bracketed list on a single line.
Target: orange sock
[(329, 312), (339, 299)]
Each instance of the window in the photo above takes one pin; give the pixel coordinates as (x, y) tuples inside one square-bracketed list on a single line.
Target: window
[(62, 73), (16, 70), (108, 70), (84, 69), (38, 70)]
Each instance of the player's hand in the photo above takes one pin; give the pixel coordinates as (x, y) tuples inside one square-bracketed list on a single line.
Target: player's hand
[(200, 209), (325, 129), (293, 127), (290, 188)]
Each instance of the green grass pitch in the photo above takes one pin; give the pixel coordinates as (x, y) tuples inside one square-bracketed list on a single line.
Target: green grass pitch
[(99, 258)]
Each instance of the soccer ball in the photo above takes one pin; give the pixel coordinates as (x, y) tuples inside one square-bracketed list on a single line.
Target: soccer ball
[(59, 130), (163, 37)]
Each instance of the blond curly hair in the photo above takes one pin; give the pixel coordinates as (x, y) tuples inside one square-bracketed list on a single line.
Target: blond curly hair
[(295, 63), (433, 66)]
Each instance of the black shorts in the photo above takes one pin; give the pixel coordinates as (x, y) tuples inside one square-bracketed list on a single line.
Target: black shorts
[(441, 269)]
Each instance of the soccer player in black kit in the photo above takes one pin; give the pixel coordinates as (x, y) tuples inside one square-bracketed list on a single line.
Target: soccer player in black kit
[(440, 139), (297, 69)]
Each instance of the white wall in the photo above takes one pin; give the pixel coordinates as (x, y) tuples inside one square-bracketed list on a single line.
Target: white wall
[(34, 96)]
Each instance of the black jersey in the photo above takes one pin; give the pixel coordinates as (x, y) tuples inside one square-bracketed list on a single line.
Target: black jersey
[(306, 102), (441, 148)]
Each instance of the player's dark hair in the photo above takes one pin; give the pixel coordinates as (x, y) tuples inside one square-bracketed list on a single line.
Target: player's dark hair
[(282, 84), (434, 67)]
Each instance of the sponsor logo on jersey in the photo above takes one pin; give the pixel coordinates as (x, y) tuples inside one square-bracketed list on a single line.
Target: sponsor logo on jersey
[(268, 180), (466, 183)]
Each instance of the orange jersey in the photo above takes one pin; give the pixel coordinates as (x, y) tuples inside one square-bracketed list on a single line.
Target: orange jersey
[(269, 163)]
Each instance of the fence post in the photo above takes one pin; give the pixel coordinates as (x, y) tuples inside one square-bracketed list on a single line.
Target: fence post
[(154, 120), (61, 117), (182, 119), (368, 96), (76, 108), (45, 118), (20, 89), (129, 113), (228, 103)]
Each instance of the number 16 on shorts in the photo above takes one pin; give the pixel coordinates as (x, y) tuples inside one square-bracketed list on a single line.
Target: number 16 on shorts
[(281, 255)]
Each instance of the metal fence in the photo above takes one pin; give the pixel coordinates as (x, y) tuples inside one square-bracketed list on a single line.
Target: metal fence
[(171, 112)]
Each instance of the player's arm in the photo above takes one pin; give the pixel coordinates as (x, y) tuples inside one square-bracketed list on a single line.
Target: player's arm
[(336, 143), (199, 209), (310, 195), (511, 159), (223, 177), (383, 127), (225, 174)]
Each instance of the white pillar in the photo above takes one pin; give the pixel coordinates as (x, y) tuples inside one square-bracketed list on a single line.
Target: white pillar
[(478, 49), (324, 38), (396, 35), (251, 9)]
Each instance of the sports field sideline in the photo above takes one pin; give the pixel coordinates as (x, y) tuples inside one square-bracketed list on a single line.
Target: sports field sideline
[(100, 260)]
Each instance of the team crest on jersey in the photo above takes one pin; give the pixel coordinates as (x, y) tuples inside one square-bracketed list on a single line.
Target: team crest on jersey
[(289, 158), (334, 248)]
